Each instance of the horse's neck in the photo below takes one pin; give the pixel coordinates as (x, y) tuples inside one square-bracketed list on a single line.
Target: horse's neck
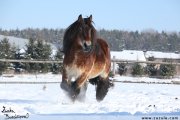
[(73, 49)]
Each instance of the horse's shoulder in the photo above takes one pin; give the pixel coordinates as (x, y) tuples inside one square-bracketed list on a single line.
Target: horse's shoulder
[(102, 47), (102, 42)]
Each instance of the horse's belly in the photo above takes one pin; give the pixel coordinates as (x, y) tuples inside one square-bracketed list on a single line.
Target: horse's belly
[(96, 71)]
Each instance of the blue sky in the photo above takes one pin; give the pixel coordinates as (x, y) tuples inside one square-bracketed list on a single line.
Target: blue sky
[(108, 14)]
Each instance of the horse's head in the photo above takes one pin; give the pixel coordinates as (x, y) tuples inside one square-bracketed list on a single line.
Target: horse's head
[(82, 33), (86, 33)]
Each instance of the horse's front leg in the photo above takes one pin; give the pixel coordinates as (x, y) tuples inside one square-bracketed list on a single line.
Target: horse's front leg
[(65, 85), (76, 86), (103, 86), (82, 95)]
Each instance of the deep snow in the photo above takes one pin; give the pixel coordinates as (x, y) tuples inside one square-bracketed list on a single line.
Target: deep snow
[(124, 99)]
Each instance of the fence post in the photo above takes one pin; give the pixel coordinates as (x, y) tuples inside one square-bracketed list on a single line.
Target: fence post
[(114, 64)]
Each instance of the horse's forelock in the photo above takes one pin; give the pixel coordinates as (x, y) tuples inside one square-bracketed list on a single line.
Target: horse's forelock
[(88, 21)]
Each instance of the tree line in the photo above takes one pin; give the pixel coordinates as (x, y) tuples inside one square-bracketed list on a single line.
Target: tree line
[(149, 40)]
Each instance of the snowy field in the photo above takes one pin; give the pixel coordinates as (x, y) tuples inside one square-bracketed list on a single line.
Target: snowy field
[(125, 101)]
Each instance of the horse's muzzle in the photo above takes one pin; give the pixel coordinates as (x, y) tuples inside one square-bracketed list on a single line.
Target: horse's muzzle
[(87, 48)]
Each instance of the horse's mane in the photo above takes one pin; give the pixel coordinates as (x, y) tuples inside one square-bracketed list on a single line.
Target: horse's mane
[(73, 30), (69, 35)]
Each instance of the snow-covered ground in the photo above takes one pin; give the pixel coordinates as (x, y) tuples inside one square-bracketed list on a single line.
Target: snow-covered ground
[(46, 101)]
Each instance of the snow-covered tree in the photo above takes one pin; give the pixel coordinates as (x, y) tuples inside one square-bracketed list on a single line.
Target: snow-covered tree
[(57, 67), (37, 50), (5, 53)]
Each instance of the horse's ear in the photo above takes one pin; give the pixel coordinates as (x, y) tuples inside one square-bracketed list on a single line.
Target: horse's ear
[(80, 19), (90, 18)]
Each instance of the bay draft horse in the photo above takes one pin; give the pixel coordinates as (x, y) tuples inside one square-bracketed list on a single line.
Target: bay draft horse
[(86, 57)]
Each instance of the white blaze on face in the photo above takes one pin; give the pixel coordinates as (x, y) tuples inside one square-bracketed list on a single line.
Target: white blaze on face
[(88, 43)]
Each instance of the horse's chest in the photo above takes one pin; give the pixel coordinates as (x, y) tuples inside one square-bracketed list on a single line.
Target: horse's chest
[(73, 71), (78, 65)]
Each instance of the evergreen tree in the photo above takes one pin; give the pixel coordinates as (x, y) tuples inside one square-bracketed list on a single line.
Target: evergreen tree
[(19, 67), (57, 67), (122, 69), (137, 69), (43, 52), (151, 69), (5, 53), (167, 70), (37, 50), (30, 54)]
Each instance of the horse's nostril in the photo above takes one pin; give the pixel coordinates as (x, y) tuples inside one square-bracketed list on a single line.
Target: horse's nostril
[(85, 45)]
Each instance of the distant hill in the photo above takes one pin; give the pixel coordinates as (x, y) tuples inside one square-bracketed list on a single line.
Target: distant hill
[(20, 43)]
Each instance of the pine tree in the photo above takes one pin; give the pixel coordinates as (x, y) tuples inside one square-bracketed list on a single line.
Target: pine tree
[(57, 67), (43, 50), (37, 50), (30, 54), (5, 53), (167, 70), (137, 69), (122, 69), (19, 67), (151, 69)]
